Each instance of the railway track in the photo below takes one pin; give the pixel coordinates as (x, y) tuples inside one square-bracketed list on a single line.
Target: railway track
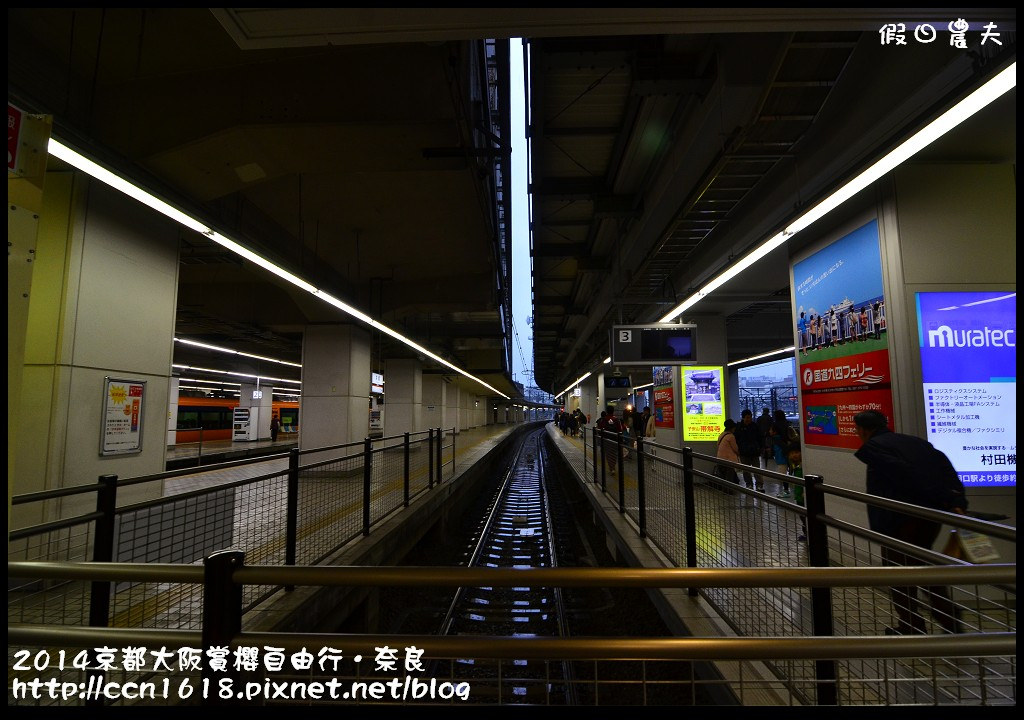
[(517, 531)]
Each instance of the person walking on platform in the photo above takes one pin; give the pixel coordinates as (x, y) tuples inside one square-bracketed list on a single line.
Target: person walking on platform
[(612, 427), (275, 426), (728, 450), (764, 425), (580, 421), (750, 441), (795, 468), (645, 424), (909, 469), (781, 436)]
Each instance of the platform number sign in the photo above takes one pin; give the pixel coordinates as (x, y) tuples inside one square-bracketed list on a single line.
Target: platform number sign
[(625, 336)]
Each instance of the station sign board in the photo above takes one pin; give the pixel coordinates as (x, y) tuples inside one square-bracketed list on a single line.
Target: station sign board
[(654, 344)]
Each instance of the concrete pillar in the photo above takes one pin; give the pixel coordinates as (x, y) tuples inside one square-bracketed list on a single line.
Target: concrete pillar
[(465, 410), (403, 398), (172, 412), (435, 397), (102, 304), (259, 399), (335, 385), (589, 401), (453, 407)]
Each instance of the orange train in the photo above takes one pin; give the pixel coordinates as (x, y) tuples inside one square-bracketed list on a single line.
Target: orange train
[(214, 415)]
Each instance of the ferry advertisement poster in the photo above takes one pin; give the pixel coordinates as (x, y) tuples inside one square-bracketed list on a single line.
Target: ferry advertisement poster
[(835, 390), (968, 346), (842, 337)]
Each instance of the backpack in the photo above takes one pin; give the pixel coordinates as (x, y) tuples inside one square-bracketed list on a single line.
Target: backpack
[(944, 481), (935, 480)]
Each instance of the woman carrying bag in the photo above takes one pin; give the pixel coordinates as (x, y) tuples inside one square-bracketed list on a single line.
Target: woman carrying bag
[(728, 450)]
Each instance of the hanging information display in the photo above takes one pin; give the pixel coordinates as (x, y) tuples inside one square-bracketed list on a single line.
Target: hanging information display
[(968, 344), (122, 416), (842, 338), (654, 344), (703, 407)]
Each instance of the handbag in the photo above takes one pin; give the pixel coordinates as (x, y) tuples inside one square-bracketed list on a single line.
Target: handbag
[(971, 546)]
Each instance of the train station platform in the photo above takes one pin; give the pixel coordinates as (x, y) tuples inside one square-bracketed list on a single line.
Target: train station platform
[(210, 452), (337, 517), (470, 446), (734, 527)]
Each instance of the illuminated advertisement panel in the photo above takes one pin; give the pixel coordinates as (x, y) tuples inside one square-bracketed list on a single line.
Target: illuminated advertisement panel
[(842, 338), (664, 407), (968, 343), (703, 407)]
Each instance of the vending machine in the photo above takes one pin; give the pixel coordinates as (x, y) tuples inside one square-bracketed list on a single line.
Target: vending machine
[(245, 424)]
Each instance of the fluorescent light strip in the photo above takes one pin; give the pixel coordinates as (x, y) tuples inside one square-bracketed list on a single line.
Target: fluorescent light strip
[(94, 170), (976, 101), (641, 387), (607, 360), (578, 380), (229, 372), (234, 352), (63, 152), (780, 351), (212, 382)]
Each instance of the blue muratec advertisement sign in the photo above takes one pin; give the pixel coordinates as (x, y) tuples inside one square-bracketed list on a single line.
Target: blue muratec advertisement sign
[(968, 344)]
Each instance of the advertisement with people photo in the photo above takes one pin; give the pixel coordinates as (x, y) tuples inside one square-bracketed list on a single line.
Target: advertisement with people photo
[(842, 337)]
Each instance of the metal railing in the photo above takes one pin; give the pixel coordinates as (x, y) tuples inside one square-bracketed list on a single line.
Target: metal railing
[(491, 669), (300, 513), (697, 519)]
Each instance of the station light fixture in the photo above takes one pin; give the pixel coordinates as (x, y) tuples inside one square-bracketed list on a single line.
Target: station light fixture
[(94, 170), (780, 351), (211, 382), (641, 387), (229, 351), (968, 106), (203, 389), (573, 384), (230, 372)]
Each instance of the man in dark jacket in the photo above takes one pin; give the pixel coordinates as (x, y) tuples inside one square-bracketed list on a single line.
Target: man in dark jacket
[(750, 442), (908, 469)]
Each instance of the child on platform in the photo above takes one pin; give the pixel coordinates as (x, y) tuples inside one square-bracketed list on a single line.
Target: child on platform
[(794, 463)]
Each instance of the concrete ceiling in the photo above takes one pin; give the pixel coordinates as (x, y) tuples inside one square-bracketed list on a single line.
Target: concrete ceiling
[(374, 171), (658, 160), (364, 150)]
